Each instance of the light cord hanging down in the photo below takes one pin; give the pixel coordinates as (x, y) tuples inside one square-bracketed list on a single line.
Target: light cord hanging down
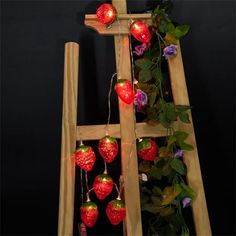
[(81, 185)]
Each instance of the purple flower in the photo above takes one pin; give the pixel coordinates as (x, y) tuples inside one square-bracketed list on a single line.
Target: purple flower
[(186, 202), (139, 50), (179, 153), (170, 51), (140, 100)]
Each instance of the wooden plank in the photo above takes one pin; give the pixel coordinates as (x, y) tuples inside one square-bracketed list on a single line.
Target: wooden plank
[(121, 26), (194, 177), (133, 221), (95, 132), (68, 140)]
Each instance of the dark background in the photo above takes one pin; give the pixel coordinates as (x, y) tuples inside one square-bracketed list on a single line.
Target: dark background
[(33, 37)]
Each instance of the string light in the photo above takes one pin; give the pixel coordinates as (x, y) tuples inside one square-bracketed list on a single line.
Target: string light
[(140, 31), (106, 14), (125, 91)]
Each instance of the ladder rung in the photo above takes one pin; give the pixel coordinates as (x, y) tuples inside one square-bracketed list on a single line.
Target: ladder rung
[(95, 132)]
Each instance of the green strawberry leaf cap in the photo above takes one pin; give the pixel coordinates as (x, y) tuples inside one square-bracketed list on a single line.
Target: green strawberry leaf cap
[(105, 177), (144, 144), (89, 204), (118, 203), (110, 139), (83, 148)]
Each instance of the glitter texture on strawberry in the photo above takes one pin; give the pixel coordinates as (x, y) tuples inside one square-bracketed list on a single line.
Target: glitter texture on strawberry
[(85, 157), (108, 148), (102, 185), (116, 211), (124, 90), (147, 149), (89, 213)]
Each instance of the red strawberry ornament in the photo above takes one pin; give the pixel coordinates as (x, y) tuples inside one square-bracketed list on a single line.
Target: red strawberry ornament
[(125, 91), (85, 157), (89, 213), (108, 148), (147, 149), (102, 185), (116, 211)]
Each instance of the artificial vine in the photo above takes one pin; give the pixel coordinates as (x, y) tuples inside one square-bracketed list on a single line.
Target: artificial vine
[(164, 191)]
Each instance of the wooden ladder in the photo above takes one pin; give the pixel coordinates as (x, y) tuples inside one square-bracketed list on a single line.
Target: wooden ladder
[(125, 130)]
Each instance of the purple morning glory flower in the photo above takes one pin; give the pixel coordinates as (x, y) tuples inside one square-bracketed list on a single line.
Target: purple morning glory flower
[(140, 100), (178, 153), (186, 202), (170, 51), (139, 50)]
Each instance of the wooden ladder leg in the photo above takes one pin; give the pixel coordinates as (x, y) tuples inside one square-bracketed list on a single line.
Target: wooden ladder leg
[(194, 177), (68, 141)]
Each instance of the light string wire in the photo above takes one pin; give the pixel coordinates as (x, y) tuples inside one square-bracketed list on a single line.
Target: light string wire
[(110, 89), (112, 78), (81, 185), (81, 170), (109, 104), (86, 180)]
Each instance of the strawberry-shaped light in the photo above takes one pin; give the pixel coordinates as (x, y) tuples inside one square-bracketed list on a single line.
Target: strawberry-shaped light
[(147, 149), (108, 148), (85, 157), (102, 185), (89, 213), (124, 90), (140, 31), (116, 211), (106, 14)]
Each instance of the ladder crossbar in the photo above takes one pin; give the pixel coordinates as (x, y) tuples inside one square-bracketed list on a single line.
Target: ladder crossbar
[(96, 132)]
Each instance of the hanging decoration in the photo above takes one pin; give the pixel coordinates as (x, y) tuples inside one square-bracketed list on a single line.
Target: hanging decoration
[(147, 149), (103, 185), (106, 14), (124, 90), (108, 148), (116, 211), (140, 31), (89, 213), (85, 157), (164, 192)]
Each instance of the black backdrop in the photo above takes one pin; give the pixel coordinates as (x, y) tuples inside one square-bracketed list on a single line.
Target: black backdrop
[(33, 37)]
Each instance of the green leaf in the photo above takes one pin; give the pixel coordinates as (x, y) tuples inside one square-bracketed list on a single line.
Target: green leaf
[(157, 75), (156, 190), (171, 140), (162, 26), (166, 169), (186, 146), (178, 166), (144, 166), (179, 31), (155, 173), (183, 29), (187, 191), (166, 211), (170, 27), (144, 63), (184, 117), (144, 76), (150, 207), (156, 200), (180, 135), (170, 193), (182, 107), (163, 120), (170, 111), (152, 98)]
